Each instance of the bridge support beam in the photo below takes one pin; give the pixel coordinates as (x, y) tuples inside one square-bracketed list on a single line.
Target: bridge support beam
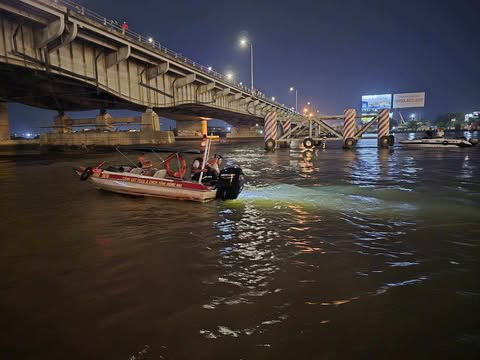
[(63, 124), (222, 93), (49, 33), (150, 121), (66, 38), (161, 69), (118, 56), (4, 123), (205, 88), (184, 81)]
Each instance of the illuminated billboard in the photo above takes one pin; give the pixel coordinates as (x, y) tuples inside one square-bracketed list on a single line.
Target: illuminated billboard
[(373, 103), (408, 100)]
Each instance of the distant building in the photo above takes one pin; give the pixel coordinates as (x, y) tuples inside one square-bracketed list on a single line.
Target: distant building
[(473, 116)]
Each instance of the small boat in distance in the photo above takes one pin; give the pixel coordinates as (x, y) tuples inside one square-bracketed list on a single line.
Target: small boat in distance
[(439, 142), (164, 183)]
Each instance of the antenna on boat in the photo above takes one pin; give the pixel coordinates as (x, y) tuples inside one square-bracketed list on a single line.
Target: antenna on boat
[(205, 157), (158, 156), (126, 157)]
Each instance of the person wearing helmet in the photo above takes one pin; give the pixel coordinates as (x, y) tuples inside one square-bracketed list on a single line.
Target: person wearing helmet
[(214, 164)]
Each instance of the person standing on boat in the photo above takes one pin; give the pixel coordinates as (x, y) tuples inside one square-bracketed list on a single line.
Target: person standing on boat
[(429, 133), (214, 165), (196, 169)]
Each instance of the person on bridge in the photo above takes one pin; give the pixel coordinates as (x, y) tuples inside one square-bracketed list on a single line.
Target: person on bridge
[(124, 27)]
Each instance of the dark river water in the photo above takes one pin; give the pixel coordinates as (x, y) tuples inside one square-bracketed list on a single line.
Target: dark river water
[(360, 254)]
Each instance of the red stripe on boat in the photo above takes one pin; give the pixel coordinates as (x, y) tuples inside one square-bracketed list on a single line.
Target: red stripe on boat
[(147, 180)]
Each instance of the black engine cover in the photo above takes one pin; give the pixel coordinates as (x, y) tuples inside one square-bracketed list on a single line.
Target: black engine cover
[(230, 183)]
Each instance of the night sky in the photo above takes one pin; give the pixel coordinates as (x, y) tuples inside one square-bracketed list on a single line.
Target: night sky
[(332, 51)]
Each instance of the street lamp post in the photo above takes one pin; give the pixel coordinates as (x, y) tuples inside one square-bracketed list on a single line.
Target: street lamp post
[(296, 97), (244, 42)]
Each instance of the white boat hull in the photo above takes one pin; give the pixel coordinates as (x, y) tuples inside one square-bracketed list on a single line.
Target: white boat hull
[(437, 143), (138, 185)]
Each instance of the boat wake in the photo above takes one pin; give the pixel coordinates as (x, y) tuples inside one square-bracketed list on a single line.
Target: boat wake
[(338, 198)]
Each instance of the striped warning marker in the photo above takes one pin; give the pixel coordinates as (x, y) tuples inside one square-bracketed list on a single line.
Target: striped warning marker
[(383, 123), (286, 125), (270, 126), (349, 124)]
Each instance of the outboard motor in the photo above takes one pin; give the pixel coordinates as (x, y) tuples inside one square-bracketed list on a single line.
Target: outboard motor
[(230, 183), (86, 173)]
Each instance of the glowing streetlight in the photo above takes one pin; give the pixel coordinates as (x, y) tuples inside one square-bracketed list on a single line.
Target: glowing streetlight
[(229, 76), (244, 42), (209, 68), (292, 89), (150, 40), (273, 98), (308, 103), (305, 110)]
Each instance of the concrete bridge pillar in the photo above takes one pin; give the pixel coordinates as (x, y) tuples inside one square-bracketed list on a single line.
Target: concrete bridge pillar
[(63, 124), (104, 120), (150, 121), (4, 123), (190, 128), (204, 127)]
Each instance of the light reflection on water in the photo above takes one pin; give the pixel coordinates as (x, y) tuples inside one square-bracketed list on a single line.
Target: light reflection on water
[(313, 255)]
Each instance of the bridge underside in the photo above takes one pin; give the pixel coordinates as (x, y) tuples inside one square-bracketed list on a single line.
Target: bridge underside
[(63, 93)]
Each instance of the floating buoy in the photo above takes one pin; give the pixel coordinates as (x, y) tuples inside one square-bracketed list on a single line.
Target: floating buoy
[(180, 172)]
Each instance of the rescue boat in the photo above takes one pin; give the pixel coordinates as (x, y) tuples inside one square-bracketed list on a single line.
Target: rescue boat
[(165, 183)]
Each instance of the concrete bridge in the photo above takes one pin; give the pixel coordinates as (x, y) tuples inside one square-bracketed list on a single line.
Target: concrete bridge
[(59, 55)]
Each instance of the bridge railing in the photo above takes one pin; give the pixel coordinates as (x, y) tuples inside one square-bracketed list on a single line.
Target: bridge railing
[(155, 45)]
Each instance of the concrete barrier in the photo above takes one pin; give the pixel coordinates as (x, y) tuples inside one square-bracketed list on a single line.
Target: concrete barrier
[(108, 138), (13, 143)]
